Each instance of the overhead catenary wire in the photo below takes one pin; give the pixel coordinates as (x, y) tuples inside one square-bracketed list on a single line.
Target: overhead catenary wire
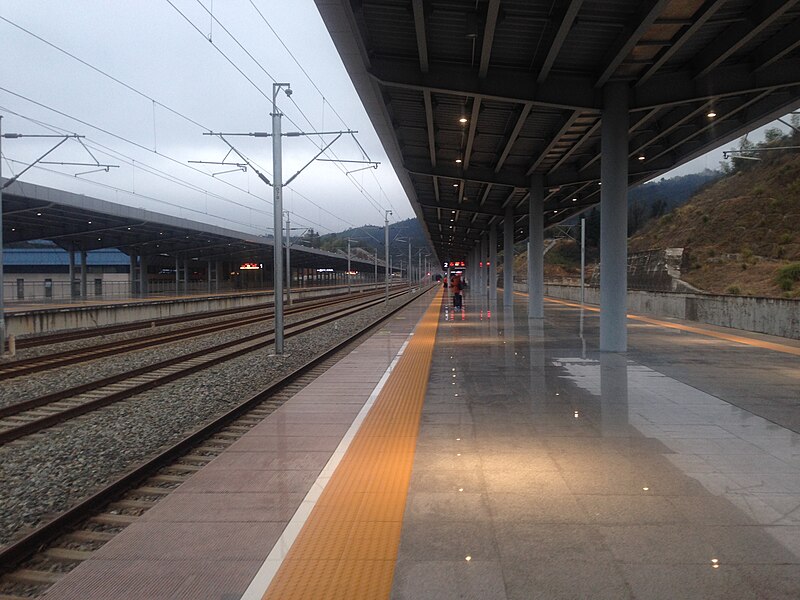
[(372, 201), (322, 95), (178, 113)]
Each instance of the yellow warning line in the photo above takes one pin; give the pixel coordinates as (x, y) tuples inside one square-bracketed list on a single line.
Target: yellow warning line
[(348, 547), (698, 330)]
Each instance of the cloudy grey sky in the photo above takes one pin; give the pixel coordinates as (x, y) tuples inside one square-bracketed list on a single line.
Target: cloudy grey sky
[(151, 47), (161, 49)]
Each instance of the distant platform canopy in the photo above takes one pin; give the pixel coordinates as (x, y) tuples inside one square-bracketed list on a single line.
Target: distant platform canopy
[(471, 99), (73, 221)]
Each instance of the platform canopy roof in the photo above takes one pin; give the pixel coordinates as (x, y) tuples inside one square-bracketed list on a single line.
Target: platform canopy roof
[(34, 212), (472, 97)]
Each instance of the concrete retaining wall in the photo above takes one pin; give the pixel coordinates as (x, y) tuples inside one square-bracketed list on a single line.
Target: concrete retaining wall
[(49, 320), (773, 316)]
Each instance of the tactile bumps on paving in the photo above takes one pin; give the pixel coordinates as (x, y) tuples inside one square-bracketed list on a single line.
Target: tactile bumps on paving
[(348, 547)]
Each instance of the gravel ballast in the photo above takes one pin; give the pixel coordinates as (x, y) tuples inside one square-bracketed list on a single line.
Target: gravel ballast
[(48, 474)]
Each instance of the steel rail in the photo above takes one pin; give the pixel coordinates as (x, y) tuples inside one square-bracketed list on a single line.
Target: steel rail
[(15, 553)]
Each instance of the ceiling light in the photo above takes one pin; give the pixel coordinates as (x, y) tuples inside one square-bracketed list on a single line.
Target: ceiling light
[(38, 214), (711, 114), (574, 199), (462, 120), (89, 222), (641, 157), (455, 185), (458, 160)]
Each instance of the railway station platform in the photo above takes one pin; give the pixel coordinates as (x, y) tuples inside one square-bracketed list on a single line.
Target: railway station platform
[(488, 456), (39, 318)]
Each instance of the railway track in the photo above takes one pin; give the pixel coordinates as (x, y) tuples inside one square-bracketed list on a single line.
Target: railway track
[(37, 560), (70, 336), (20, 368), (37, 414)]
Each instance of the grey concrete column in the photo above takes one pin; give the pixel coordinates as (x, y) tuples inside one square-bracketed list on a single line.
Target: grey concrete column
[(84, 274), (185, 275), (483, 279), (508, 257), (493, 264), (218, 276), (143, 276), (614, 218), (536, 249), (72, 272), (208, 274), (177, 275), (132, 273)]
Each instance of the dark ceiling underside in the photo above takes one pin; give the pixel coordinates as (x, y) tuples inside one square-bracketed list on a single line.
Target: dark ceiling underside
[(526, 77)]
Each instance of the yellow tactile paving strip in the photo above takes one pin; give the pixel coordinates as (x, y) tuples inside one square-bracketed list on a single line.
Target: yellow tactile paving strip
[(348, 547), (698, 330)]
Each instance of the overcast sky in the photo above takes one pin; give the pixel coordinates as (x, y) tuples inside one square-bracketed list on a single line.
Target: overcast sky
[(151, 47)]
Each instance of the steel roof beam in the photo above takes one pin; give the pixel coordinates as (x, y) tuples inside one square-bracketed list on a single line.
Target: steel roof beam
[(419, 28), (554, 140), (726, 119), (761, 15), (681, 87), (488, 36), (671, 122), (701, 16), (777, 46), (473, 126), (476, 174), (589, 133), (468, 207), (429, 123), (628, 38), (564, 92), (523, 116), (567, 18)]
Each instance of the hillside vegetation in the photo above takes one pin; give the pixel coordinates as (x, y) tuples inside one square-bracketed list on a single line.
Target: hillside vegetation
[(742, 233)]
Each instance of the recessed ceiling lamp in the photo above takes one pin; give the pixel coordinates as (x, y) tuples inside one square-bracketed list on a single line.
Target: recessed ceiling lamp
[(462, 120), (574, 199), (711, 114), (455, 185), (641, 157), (458, 161)]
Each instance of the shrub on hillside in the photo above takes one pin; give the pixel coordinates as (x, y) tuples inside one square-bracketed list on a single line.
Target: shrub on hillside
[(788, 275)]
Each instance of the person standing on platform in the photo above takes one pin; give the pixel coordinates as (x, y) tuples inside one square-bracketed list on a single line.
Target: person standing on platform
[(457, 298)]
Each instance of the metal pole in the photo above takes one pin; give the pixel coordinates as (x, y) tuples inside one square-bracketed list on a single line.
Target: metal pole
[(409, 261), (508, 257), (277, 209), (2, 276), (536, 248), (84, 273), (177, 275), (583, 259), (376, 266), (72, 271), (386, 256), (288, 258), (349, 290), (132, 273)]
